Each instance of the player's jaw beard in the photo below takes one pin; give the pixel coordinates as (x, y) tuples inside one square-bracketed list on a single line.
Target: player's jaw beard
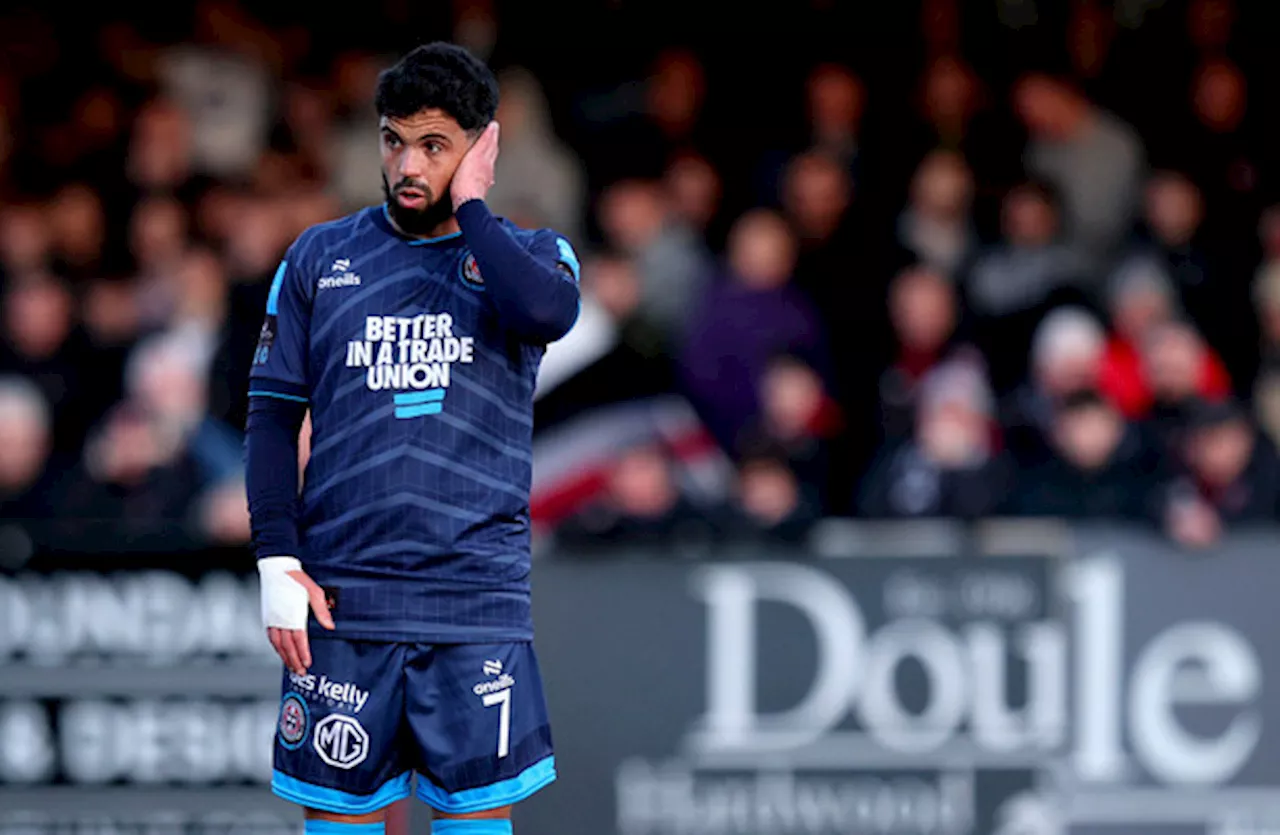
[(418, 221)]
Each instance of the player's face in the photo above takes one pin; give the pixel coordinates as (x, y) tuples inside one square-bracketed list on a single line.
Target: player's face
[(419, 156)]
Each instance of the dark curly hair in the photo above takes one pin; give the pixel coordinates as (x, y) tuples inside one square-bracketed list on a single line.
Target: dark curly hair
[(439, 75)]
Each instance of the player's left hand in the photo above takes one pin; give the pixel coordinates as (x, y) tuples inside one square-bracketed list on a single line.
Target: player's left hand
[(474, 176)]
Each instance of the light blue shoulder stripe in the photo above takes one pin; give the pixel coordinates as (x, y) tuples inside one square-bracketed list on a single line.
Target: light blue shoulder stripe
[(273, 298), (569, 257)]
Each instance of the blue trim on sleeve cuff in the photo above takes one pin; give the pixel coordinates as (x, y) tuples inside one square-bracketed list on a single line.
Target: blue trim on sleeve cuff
[(537, 776), (339, 802), (260, 393), (470, 826), (285, 389), (319, 826)]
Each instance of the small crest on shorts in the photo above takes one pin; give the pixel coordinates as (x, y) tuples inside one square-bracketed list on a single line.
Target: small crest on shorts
[(470, 272), (294, 719)]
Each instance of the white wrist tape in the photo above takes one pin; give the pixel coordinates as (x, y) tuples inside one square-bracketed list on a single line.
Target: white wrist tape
[(284, 600)]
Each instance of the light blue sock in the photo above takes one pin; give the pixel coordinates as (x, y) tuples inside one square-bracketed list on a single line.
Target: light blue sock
[(324, 827), (470, 826)]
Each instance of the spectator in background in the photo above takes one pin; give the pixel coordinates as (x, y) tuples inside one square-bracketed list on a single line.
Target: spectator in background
[(301, 142), (936, 226), (1233, 476), (951, 466), (538, 182), (1100, 466), (1011, 286), (79, 231), (26, 438), (1266, 387), (614, 283), (925, 314), (835, 103), (222, 83), (1174, 213), (1224, 148), (816, 196), (1175, 356), (95, 131), (799, 421), (817, 199), (774, 505), (635, 128), (694, 190), (842, 268), (1269, 240), (160, 155), (949, 98), (254, 250), (1093, 159), (165, 378), (134, 476), (201, 305), (746, 318), (1210, 24), (614, 355), (110, 314), (645, 509), (673, 263), (357, 162), (39, 342), (159, 231), (675, 95), (26, 241), (1066, 358), (1142, 299), (594, 334), (953, 112), (158, 239), (112, 323)]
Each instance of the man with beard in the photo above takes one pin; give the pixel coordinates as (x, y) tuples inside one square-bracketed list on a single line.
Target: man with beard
[(395, 582)]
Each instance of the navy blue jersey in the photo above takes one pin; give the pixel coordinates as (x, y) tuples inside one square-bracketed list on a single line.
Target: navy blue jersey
[(415, 502)]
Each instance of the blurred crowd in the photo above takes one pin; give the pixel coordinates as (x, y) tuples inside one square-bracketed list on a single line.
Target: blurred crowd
[(890, 284)]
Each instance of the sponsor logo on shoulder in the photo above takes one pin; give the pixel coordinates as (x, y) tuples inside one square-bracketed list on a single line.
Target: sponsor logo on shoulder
[(340, 275)]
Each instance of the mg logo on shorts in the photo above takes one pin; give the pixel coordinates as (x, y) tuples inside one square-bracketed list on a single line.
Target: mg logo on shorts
[(341, 741)]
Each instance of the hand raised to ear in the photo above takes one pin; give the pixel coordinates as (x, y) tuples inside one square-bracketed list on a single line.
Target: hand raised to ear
[(474, 176)]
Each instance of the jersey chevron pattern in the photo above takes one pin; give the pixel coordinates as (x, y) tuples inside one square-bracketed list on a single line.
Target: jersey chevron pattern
[(414, 510)]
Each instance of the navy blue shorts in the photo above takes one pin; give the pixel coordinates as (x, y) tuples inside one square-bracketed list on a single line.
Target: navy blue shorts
[(470, 719)]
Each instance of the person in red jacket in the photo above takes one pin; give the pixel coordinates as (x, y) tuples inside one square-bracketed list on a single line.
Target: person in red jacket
[(1143, 299)]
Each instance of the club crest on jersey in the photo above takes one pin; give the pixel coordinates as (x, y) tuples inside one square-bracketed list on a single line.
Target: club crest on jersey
[(294, 719), (470, 272)]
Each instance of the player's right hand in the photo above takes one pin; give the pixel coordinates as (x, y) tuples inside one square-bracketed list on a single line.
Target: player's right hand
[(287, 594)]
